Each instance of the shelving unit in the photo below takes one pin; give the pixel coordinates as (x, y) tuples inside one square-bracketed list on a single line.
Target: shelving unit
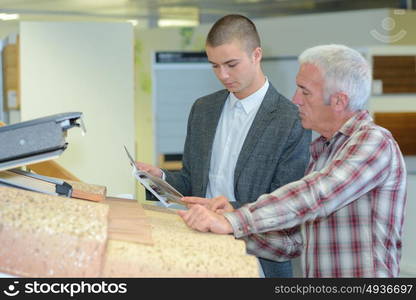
[(11, 80), (393, 102)]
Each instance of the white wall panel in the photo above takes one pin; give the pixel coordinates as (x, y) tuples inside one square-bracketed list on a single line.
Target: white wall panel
[(87, 67)]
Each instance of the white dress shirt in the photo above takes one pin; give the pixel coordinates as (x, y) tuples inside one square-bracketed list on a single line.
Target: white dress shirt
[(234, 124)]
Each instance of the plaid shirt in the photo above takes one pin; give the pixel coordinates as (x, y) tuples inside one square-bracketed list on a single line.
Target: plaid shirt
[(351, 204)]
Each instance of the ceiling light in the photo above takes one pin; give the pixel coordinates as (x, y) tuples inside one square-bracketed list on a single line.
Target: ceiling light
[(177, 23), (179, 16), (7, 17), (133, 22), (247, 1)]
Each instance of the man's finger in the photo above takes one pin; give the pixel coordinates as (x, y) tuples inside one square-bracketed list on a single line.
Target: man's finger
[(218, 203), (193, 199), (181, 213)]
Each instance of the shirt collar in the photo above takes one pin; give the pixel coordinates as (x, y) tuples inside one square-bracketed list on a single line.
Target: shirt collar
[(351, 125), (347, 129), (355, 122), (252, 101)]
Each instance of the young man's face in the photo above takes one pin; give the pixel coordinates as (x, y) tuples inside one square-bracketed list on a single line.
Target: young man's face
[(235, 68), (309, 97)]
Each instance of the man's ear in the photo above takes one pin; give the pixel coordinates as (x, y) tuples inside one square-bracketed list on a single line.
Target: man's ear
[(257, 54), (339, 101)]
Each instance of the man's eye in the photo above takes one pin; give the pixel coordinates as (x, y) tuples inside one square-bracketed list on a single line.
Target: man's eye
[(214, 66), (306, 93), (232, 65)]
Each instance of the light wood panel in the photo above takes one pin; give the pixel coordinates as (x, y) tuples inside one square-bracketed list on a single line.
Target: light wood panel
[(53, 169), (128, 222), (11, 75)]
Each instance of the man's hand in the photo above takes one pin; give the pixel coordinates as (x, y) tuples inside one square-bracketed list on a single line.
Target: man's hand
[(152, 170), (218, 204), (202, 219)]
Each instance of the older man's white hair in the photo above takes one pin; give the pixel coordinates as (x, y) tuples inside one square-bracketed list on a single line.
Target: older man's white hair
[(344, 70)]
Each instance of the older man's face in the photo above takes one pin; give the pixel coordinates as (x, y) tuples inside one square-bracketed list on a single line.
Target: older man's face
[(309, 97)]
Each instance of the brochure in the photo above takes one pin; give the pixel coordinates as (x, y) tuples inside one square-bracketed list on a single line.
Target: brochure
[(160, 188)]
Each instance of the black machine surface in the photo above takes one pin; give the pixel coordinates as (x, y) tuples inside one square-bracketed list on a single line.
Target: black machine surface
[(36, 140)]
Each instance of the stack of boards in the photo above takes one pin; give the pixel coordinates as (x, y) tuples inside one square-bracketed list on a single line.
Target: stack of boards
[(54, 236)]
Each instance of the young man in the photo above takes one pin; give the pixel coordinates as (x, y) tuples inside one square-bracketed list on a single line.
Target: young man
[(351, 202), (246, 140)]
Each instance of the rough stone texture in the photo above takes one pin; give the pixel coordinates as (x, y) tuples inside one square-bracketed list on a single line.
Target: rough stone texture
[(50, 236), (178, 251)]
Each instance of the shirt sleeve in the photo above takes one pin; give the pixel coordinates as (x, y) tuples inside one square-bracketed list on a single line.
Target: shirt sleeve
[(356, 168)]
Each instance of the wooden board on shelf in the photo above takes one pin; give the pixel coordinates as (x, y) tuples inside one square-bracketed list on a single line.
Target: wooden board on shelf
[(11, 75), (402, 125), (397, 73), (170, 165)]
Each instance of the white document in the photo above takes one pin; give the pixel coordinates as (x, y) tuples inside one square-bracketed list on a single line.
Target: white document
[(160, 188)]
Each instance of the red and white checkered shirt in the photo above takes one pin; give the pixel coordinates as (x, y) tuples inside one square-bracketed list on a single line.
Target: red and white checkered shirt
[(351, 205)]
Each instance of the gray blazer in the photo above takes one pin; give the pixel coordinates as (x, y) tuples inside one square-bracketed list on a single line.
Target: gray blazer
[(275, 151)]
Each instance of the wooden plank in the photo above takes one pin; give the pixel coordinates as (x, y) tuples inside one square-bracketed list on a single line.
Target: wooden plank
[(52, 169), (388, 89), (128, 221), (397, 73), (87, 191), (402, 125), (82, 195), (169, 165), (393, 73), (11, 77), (400, 81), (394, 61)]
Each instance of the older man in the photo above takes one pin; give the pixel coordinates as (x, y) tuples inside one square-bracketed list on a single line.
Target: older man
[(351, 200)]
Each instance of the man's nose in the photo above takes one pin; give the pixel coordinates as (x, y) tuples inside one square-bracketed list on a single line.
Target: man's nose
[(296, 98), (223, 73)]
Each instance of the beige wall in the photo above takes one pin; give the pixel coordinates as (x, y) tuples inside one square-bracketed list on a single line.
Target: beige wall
[(72, 66), (7, 28), (280, 36), (148, 42), (405, 20)]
